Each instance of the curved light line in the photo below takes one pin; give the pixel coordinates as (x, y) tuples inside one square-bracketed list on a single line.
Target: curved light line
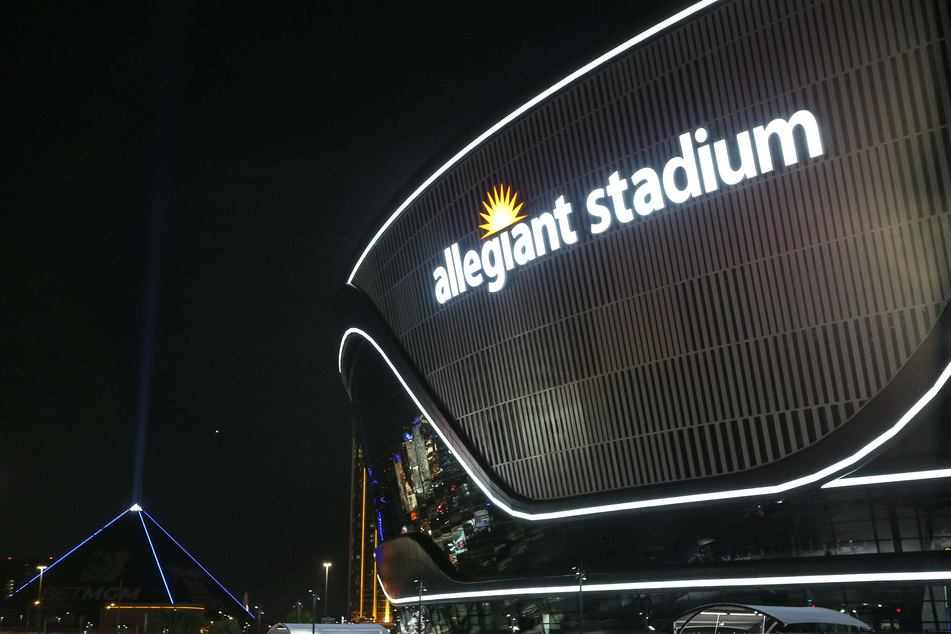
[(888, 478), (158, 564), (634, 41), (45, 571), (668, 501), (786, 580), (210, 576), (399, 377)]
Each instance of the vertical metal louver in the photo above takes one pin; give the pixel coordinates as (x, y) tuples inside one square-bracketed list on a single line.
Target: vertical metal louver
[(721, 334)]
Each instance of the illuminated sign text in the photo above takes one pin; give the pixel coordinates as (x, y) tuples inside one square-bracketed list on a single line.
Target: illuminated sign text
[(698, 169)]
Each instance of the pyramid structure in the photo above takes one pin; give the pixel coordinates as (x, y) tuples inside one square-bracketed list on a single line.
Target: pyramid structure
[(128, 566)]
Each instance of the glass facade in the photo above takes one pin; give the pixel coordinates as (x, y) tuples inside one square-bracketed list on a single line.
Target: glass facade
[(424, 490)]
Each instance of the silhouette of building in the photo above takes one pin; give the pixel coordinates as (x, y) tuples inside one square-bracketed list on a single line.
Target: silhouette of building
[(130, 572), (368, 604)]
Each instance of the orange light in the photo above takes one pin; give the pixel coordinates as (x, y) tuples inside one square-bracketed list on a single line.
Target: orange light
[(501, 209)]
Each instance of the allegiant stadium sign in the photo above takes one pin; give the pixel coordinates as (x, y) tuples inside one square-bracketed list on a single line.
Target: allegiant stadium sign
[(512, 241)]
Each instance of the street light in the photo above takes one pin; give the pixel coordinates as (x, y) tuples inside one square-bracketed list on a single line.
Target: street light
[(39, 595), (580, 576), (313, 612), (327, 566)]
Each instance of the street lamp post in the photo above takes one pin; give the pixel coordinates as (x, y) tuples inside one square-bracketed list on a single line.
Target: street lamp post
[(580, 575), (313, 612), (327, 566), (39, 595)]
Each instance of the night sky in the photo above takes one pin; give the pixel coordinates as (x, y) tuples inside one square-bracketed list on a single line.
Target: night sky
[(184, 189)]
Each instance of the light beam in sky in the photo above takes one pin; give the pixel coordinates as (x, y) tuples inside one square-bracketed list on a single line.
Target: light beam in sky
[(164, 133)]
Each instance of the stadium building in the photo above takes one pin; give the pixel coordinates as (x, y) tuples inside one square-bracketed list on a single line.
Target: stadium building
[(673, 333)]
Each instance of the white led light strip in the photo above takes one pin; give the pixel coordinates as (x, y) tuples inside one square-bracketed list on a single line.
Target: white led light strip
[(772, 490), (888, 478), (654, 30), (788, 580)]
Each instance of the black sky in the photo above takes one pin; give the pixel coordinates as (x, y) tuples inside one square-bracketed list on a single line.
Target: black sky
[(257, 146)]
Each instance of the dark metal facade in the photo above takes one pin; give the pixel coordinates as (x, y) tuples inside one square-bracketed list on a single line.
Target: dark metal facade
[(754, 335), (722, 335)]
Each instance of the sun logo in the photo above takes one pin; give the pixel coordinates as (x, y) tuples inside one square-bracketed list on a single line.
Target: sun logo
[(501, 209)]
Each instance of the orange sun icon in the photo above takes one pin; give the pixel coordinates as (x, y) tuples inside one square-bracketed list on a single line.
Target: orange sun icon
[(502, 210)]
